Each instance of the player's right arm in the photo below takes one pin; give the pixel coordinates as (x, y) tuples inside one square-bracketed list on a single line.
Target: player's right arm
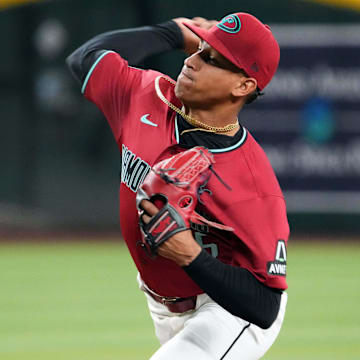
[(133, 45), (101, 64)]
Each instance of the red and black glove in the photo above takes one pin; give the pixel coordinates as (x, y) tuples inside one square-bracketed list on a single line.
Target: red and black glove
[(174, 185)]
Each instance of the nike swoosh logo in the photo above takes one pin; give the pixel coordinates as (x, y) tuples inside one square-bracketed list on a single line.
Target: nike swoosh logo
[(146, 121)]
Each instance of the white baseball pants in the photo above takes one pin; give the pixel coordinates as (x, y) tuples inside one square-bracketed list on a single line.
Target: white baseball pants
[(210, 333)]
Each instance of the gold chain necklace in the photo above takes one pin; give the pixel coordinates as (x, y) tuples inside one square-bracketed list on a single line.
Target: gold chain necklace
[(200, 125)]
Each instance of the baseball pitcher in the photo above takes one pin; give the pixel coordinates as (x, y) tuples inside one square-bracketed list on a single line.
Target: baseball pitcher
[(201, 210)]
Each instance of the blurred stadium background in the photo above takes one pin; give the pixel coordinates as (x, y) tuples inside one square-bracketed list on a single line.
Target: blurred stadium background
[(68, 286)]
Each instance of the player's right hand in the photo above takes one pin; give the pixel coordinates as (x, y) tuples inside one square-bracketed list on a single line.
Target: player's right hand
[(191, 41)]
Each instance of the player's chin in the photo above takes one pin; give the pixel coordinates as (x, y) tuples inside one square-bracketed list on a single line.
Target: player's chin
[(184, 97), (184, 88)]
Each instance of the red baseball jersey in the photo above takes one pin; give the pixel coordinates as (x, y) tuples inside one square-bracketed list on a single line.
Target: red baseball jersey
[(146, 132)]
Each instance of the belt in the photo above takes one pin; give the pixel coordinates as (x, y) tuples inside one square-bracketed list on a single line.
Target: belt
[(174, 304)]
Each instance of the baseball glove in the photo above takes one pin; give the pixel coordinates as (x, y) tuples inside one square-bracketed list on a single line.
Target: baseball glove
[(175, 185)]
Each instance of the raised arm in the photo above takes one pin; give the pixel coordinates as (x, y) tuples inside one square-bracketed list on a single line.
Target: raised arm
[(136, 44)]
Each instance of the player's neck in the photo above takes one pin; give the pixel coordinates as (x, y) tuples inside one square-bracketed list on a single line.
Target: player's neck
[(219, 117)]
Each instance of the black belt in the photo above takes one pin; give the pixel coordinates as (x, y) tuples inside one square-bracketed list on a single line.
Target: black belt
[(174, 304)]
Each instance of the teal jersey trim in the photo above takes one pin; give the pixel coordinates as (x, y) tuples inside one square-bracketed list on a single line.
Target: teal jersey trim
[(92, 69), (177, 137), (233, 147)]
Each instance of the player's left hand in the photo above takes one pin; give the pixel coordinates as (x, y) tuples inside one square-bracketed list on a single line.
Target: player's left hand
[(181, 248)]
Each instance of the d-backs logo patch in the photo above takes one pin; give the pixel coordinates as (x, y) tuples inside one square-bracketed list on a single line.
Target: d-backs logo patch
[(231, 24), (278, 266)]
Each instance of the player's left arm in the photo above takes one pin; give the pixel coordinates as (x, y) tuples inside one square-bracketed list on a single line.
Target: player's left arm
[(234, 288)]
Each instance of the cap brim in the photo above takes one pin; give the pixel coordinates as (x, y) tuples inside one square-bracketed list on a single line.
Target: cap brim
[(214, 42)]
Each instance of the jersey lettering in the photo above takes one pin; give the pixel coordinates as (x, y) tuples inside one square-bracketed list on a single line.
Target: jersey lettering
[(281, 251), (214, 251), (278, 266), (203, 228), (133, 169)]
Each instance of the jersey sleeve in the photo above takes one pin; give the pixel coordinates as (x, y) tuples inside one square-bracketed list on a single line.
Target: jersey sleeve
[(261, 223), (111, 85)]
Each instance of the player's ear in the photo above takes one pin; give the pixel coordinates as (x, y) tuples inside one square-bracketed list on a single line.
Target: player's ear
[(244, 86)]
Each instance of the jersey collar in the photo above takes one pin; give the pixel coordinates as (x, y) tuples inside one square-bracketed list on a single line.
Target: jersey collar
[(217, 150)]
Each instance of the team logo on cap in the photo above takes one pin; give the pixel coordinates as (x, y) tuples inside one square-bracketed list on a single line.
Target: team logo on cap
[(230, 24)]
